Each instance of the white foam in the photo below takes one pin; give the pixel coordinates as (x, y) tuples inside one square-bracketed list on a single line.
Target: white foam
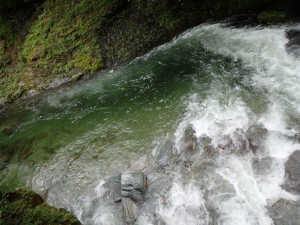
[(247, 205), (183, 205), (276, 76)]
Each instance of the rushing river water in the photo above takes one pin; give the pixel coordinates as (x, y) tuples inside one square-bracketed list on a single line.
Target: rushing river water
[(211, 87)]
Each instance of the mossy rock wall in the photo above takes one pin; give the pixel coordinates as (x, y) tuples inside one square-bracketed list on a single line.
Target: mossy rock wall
[(25, 207), (71, 39)]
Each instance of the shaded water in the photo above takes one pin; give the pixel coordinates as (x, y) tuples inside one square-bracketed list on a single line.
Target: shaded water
[(215, 80)]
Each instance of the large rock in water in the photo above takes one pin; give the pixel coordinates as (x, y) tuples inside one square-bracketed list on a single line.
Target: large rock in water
[(285, 212), (293, 46), (133, 180), (130, 210), (292, 170), (256, 134), (133, 185)]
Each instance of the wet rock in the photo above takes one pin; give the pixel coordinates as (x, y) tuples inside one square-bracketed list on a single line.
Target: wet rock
[(58, 81), (256, 134), (261, 166), (190, 134), (140, 164), (136, 196), (285, 212), (205, 144), (294, 37), (190, 139), (133, 180), (292, 170), (129, 187), (293, 46), (130, 210), (165, 156), (117, 197)]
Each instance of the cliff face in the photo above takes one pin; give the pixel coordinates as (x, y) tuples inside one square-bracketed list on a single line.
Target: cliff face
[(44, 43)]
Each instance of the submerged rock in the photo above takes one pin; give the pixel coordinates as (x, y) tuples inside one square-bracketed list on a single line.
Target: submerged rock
[(164, 153), (140, 164), (256, 134), (285, 212), (292, 170), (262, 166), (190, 139)]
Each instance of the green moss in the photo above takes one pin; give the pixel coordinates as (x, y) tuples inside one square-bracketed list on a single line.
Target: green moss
[(84, 61), (4, 58), (66, 33), (10, 88), (271, 17), (25, 207)]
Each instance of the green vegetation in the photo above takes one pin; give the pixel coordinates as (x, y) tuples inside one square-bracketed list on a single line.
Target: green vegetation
[(66, 32), (6, 32), (7, 38), (272, 17), (74, 39), (25, 207)]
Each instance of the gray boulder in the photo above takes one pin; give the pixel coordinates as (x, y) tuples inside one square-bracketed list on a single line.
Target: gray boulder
[(140, 164), (285, 212), (130, 210), (292, 170), (133, 185), (256, 134), (133, 180)]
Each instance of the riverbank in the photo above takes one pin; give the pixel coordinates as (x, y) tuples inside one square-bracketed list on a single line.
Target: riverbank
[(46, 43)]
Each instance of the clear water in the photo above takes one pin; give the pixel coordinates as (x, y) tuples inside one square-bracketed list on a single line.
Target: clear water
[(219, 80)]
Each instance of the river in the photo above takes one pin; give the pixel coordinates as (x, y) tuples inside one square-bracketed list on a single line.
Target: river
[(211, 85)]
